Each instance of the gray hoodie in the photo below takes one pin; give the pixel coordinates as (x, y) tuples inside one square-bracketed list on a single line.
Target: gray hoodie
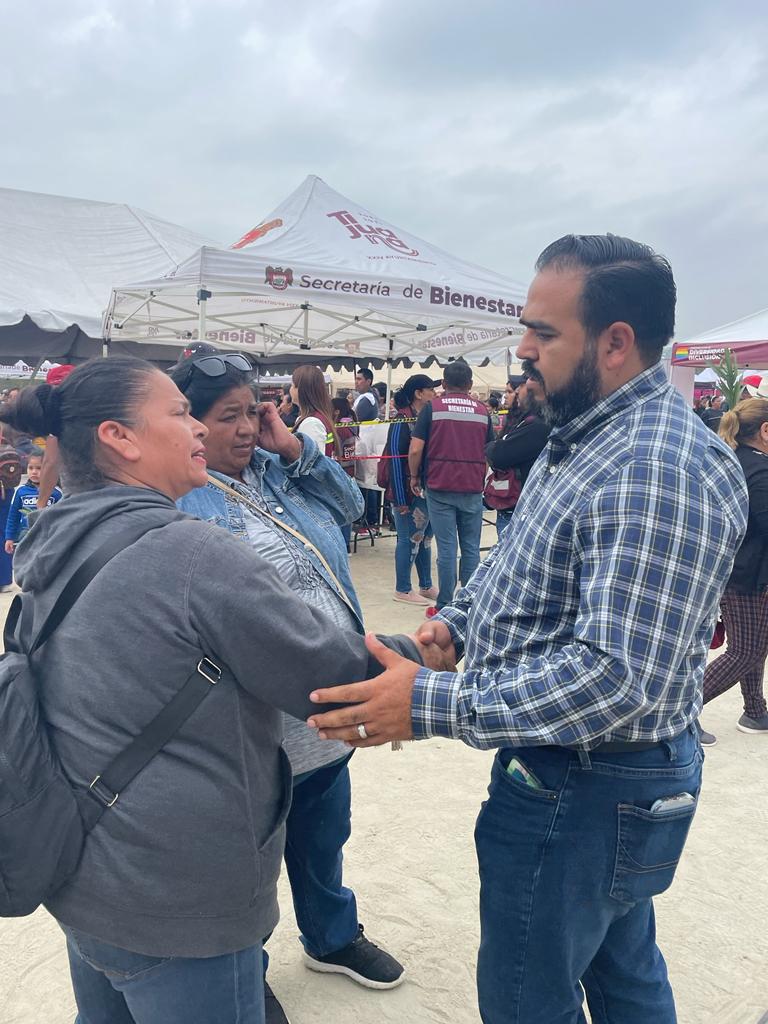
[(186, 862)]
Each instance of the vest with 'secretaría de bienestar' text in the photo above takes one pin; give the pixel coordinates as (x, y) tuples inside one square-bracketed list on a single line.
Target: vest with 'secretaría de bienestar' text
[(456, 447)]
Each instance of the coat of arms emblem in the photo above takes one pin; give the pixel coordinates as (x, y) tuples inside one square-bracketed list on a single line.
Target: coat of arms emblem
[(279, 277)]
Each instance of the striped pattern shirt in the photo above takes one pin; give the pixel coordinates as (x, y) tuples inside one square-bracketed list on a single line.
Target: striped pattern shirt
[(592, 617)]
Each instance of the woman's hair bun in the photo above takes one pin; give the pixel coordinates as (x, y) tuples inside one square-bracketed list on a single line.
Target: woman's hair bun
[(34, 411)]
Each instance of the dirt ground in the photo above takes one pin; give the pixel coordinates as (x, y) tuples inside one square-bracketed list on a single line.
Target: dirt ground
[(411, 862)]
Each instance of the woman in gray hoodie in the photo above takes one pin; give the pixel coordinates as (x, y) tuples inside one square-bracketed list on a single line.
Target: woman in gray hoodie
[(176, 885)]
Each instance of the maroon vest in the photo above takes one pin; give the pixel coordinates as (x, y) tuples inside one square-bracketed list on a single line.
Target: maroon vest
[(456, 446)]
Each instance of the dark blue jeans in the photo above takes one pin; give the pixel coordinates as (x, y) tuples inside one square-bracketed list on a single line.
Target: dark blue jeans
[(567, 876), (115, 986), (318, 826)]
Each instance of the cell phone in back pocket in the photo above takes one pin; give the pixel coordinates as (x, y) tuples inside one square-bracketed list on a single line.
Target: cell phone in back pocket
[(673, 803), (518, 771)]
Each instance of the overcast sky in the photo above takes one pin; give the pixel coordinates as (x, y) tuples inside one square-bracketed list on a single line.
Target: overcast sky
[(489, 128)]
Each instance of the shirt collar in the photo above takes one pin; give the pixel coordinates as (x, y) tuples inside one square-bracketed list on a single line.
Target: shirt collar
[(636, 391)]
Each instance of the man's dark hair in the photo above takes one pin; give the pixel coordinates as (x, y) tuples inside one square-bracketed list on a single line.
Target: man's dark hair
[(623, 281), (458, 375), (363, 371)]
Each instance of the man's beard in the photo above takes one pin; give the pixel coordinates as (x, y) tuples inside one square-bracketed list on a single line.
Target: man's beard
[(574, 398)]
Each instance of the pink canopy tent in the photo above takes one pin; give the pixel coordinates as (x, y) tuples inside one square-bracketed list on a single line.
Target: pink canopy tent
[(747, 338)]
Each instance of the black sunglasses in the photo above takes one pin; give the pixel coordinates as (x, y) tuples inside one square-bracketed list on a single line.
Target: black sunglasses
[(215, 366)]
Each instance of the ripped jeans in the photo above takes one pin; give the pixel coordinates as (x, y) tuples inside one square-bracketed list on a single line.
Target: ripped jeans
[(414, 545)]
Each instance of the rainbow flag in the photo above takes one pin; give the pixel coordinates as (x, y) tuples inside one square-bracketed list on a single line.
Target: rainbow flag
[(680, 354)]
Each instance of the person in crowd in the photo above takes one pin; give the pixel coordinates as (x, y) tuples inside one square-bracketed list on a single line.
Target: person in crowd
[(584, 635), (446, 461), (248, 489), (494, 411), (289, 411), (310, 393), (367, 402), (24, 503), (166, 910), (380, 388), (744, 605), (409, 511), (712, 416), (345, 426), (512, 455), (10, 477)]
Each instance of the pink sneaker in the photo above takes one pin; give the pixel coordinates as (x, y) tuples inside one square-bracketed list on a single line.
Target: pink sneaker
[(411, 598), (431, 593)]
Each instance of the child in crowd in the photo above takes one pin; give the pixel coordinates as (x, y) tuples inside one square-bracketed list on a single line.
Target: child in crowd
[(25, 501)]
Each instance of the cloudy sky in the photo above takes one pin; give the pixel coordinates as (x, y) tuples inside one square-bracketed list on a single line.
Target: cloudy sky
[(489, 128)]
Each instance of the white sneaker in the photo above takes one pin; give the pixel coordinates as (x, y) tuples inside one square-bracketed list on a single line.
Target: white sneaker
[(411, 598)]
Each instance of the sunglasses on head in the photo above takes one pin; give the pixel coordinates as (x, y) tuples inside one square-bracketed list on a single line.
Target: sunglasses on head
[(215, 366)]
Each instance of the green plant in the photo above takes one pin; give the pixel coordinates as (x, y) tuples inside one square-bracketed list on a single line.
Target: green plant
[(729, 378)]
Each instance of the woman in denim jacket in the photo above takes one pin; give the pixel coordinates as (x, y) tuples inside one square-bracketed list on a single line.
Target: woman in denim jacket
[(266, 471)]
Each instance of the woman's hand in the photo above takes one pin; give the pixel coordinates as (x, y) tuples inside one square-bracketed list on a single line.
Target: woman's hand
[(9, 547), (274, 436)]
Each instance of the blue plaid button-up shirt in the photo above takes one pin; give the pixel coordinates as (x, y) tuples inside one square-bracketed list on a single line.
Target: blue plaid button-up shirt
[(592, 617)]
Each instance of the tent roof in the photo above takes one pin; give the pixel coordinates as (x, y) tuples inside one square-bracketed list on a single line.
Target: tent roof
[(60, 257), (324, 274), (747, 337)]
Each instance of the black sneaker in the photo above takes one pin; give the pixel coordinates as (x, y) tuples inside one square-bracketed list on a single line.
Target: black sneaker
[(273, 1011), (362, 961), (707, 739), (755, 725)]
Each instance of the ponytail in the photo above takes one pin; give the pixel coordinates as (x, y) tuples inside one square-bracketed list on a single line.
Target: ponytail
[(743, 423)]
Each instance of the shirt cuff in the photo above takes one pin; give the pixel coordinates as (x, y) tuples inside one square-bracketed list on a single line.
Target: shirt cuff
[(456, 621), (434, 704), (306, 460)]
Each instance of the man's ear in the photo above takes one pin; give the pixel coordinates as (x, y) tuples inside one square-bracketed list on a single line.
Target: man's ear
[(119, 440), (618, 344)]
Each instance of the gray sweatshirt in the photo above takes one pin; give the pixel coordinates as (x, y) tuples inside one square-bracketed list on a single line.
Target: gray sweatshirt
[(186, 862)]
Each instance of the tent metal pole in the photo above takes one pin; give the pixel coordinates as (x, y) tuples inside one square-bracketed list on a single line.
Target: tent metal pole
[(389, 381), (201, 321)]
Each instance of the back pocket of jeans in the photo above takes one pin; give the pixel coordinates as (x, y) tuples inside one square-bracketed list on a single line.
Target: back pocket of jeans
[(648, 850)]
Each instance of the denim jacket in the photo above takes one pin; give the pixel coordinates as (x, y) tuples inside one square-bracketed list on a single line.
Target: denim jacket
[(313, 495)]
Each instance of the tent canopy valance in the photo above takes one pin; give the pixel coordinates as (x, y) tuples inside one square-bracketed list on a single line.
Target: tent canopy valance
[(325, 276), (747, 338)]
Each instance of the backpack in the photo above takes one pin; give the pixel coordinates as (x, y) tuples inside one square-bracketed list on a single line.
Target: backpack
[(10, 469), (44, 817), (502, 489)]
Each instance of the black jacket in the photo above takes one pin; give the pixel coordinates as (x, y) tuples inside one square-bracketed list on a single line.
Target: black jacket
[(750, 567), (519, 447)]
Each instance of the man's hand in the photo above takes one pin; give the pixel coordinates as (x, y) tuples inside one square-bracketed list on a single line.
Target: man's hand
[(274, 436), (383, 704), (416, 486), (435, 634), (9, 547)]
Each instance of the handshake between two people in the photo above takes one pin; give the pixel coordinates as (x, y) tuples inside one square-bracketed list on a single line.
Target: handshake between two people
[(379, 710)]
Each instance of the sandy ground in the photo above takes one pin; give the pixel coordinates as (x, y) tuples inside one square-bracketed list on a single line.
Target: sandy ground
[(411, 862)]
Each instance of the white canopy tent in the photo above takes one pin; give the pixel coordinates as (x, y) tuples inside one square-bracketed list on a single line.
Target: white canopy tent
[(747, 338), (59, 258), (322, 277)]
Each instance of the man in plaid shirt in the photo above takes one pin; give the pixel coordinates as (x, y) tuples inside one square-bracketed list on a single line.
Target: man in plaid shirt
[(584, 637)]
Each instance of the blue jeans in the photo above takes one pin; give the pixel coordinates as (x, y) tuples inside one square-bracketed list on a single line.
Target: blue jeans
[(457, 522), (503, 519), (318, 826), (414, 546), (567, 876), (115, 986)]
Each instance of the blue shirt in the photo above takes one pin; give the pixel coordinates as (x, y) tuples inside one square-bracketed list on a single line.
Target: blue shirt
[(24, 502), (592, 617)]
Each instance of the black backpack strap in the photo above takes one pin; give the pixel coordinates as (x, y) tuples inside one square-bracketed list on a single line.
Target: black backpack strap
[(105, 789)]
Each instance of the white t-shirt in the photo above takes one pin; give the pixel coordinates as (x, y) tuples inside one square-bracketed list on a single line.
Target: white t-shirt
[(314, 428)]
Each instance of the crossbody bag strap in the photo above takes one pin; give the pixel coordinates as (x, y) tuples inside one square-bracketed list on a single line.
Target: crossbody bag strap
[(105, 789), (288, 529)]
